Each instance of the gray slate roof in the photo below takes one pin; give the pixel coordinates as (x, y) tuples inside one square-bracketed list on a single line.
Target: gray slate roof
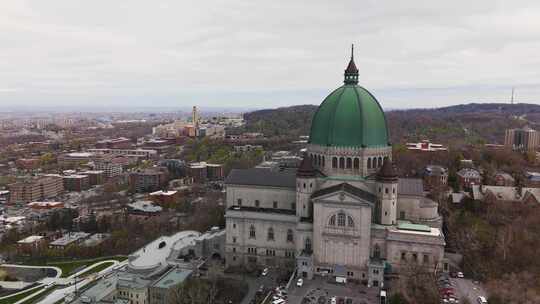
[(410, 186), (261, 177)]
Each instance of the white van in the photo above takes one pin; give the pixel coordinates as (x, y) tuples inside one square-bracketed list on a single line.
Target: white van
[(278, 301), (341, 280), (481, 300)]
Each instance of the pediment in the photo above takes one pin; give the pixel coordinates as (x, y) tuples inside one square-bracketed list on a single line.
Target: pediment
[(344, 193)]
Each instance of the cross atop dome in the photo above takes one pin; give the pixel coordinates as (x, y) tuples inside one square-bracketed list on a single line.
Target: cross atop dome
[(351, 72)]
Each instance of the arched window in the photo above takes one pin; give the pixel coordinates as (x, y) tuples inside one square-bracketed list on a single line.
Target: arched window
[(341, 219), (380, 161), (342, 163), (356, 163), (270, 234), (369, 163), (349, 163), (332, 221), (307, 245), (377, 251), (323, 161), (350, 221), (289, 235), (319, 160), (334, 162), (252, 232)]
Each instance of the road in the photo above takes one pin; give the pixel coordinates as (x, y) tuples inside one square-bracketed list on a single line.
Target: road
[(466, 288)]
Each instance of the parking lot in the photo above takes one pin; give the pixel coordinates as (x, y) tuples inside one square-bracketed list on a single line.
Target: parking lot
[(456, 289), (468, 289), (321, 290)]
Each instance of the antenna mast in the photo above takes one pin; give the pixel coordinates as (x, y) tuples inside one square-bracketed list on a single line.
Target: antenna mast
[(512, 99)]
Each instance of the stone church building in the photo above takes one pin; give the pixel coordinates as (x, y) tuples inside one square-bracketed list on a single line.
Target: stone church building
[(345, 212)]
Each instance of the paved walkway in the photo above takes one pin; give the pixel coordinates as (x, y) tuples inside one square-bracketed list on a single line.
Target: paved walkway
[(59, 294), (49, 282), (40, 283)]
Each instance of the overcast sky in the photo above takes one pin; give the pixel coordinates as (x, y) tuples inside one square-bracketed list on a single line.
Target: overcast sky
[(265, 53)]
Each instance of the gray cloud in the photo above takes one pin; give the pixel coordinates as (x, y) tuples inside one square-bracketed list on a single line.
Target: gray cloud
[(272, 53)]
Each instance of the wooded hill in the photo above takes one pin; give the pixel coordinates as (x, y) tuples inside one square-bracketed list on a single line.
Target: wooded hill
[(460, 124)]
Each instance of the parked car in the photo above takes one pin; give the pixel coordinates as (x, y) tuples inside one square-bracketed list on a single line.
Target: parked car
[(264, 272), (460, 275), (333, 300), (481, 300), (300, 282)]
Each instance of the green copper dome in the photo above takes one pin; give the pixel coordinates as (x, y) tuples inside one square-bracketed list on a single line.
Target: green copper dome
[(349, 117)]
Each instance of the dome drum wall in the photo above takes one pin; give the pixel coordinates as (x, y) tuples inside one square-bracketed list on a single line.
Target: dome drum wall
[(348, 160)]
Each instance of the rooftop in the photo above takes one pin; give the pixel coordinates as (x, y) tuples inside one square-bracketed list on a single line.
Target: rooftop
[(410, 186), (413, 227), (30, 239), (145, 206), (174, 277), (69, 238), (265, 210), (156, 252), (261, 177), (167, 193)]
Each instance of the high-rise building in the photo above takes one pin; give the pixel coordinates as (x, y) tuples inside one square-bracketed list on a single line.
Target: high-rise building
[(525, 139)]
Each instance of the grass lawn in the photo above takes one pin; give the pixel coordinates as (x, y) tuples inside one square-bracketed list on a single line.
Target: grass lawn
[(18, 297), (96, 269), (69, 267), (40, 296)]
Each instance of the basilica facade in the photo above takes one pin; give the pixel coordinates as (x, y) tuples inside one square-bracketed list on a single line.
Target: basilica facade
[(345, 212)]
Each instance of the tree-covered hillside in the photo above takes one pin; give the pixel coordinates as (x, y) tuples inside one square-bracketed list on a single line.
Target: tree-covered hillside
[(460, 124)]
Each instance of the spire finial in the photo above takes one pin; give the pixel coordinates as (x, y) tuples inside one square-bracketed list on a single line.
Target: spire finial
[(351, 72)]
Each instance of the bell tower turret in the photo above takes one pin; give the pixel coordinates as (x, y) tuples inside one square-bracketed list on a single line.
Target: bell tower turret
[(387, 184), (306, 178)]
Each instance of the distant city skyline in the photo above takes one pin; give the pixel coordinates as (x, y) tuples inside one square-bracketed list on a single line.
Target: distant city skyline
[(237, 54)]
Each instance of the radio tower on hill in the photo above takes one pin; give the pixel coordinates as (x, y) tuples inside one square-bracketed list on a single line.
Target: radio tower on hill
[(512, 98)]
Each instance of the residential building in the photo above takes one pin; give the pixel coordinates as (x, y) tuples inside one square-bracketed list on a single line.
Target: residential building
[(524, 195), (148, 180), (69, 239), (468, 177), (76, 158), (36, 189), (116, 143), (503, 179), (202, 172), (137, 153), (532, 179), (76, 182), (435, 178), (95, 177), (144, 208), (31, 244), (165, 197), (28, 163), (4, 196), (109, 166), (45, 205)]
